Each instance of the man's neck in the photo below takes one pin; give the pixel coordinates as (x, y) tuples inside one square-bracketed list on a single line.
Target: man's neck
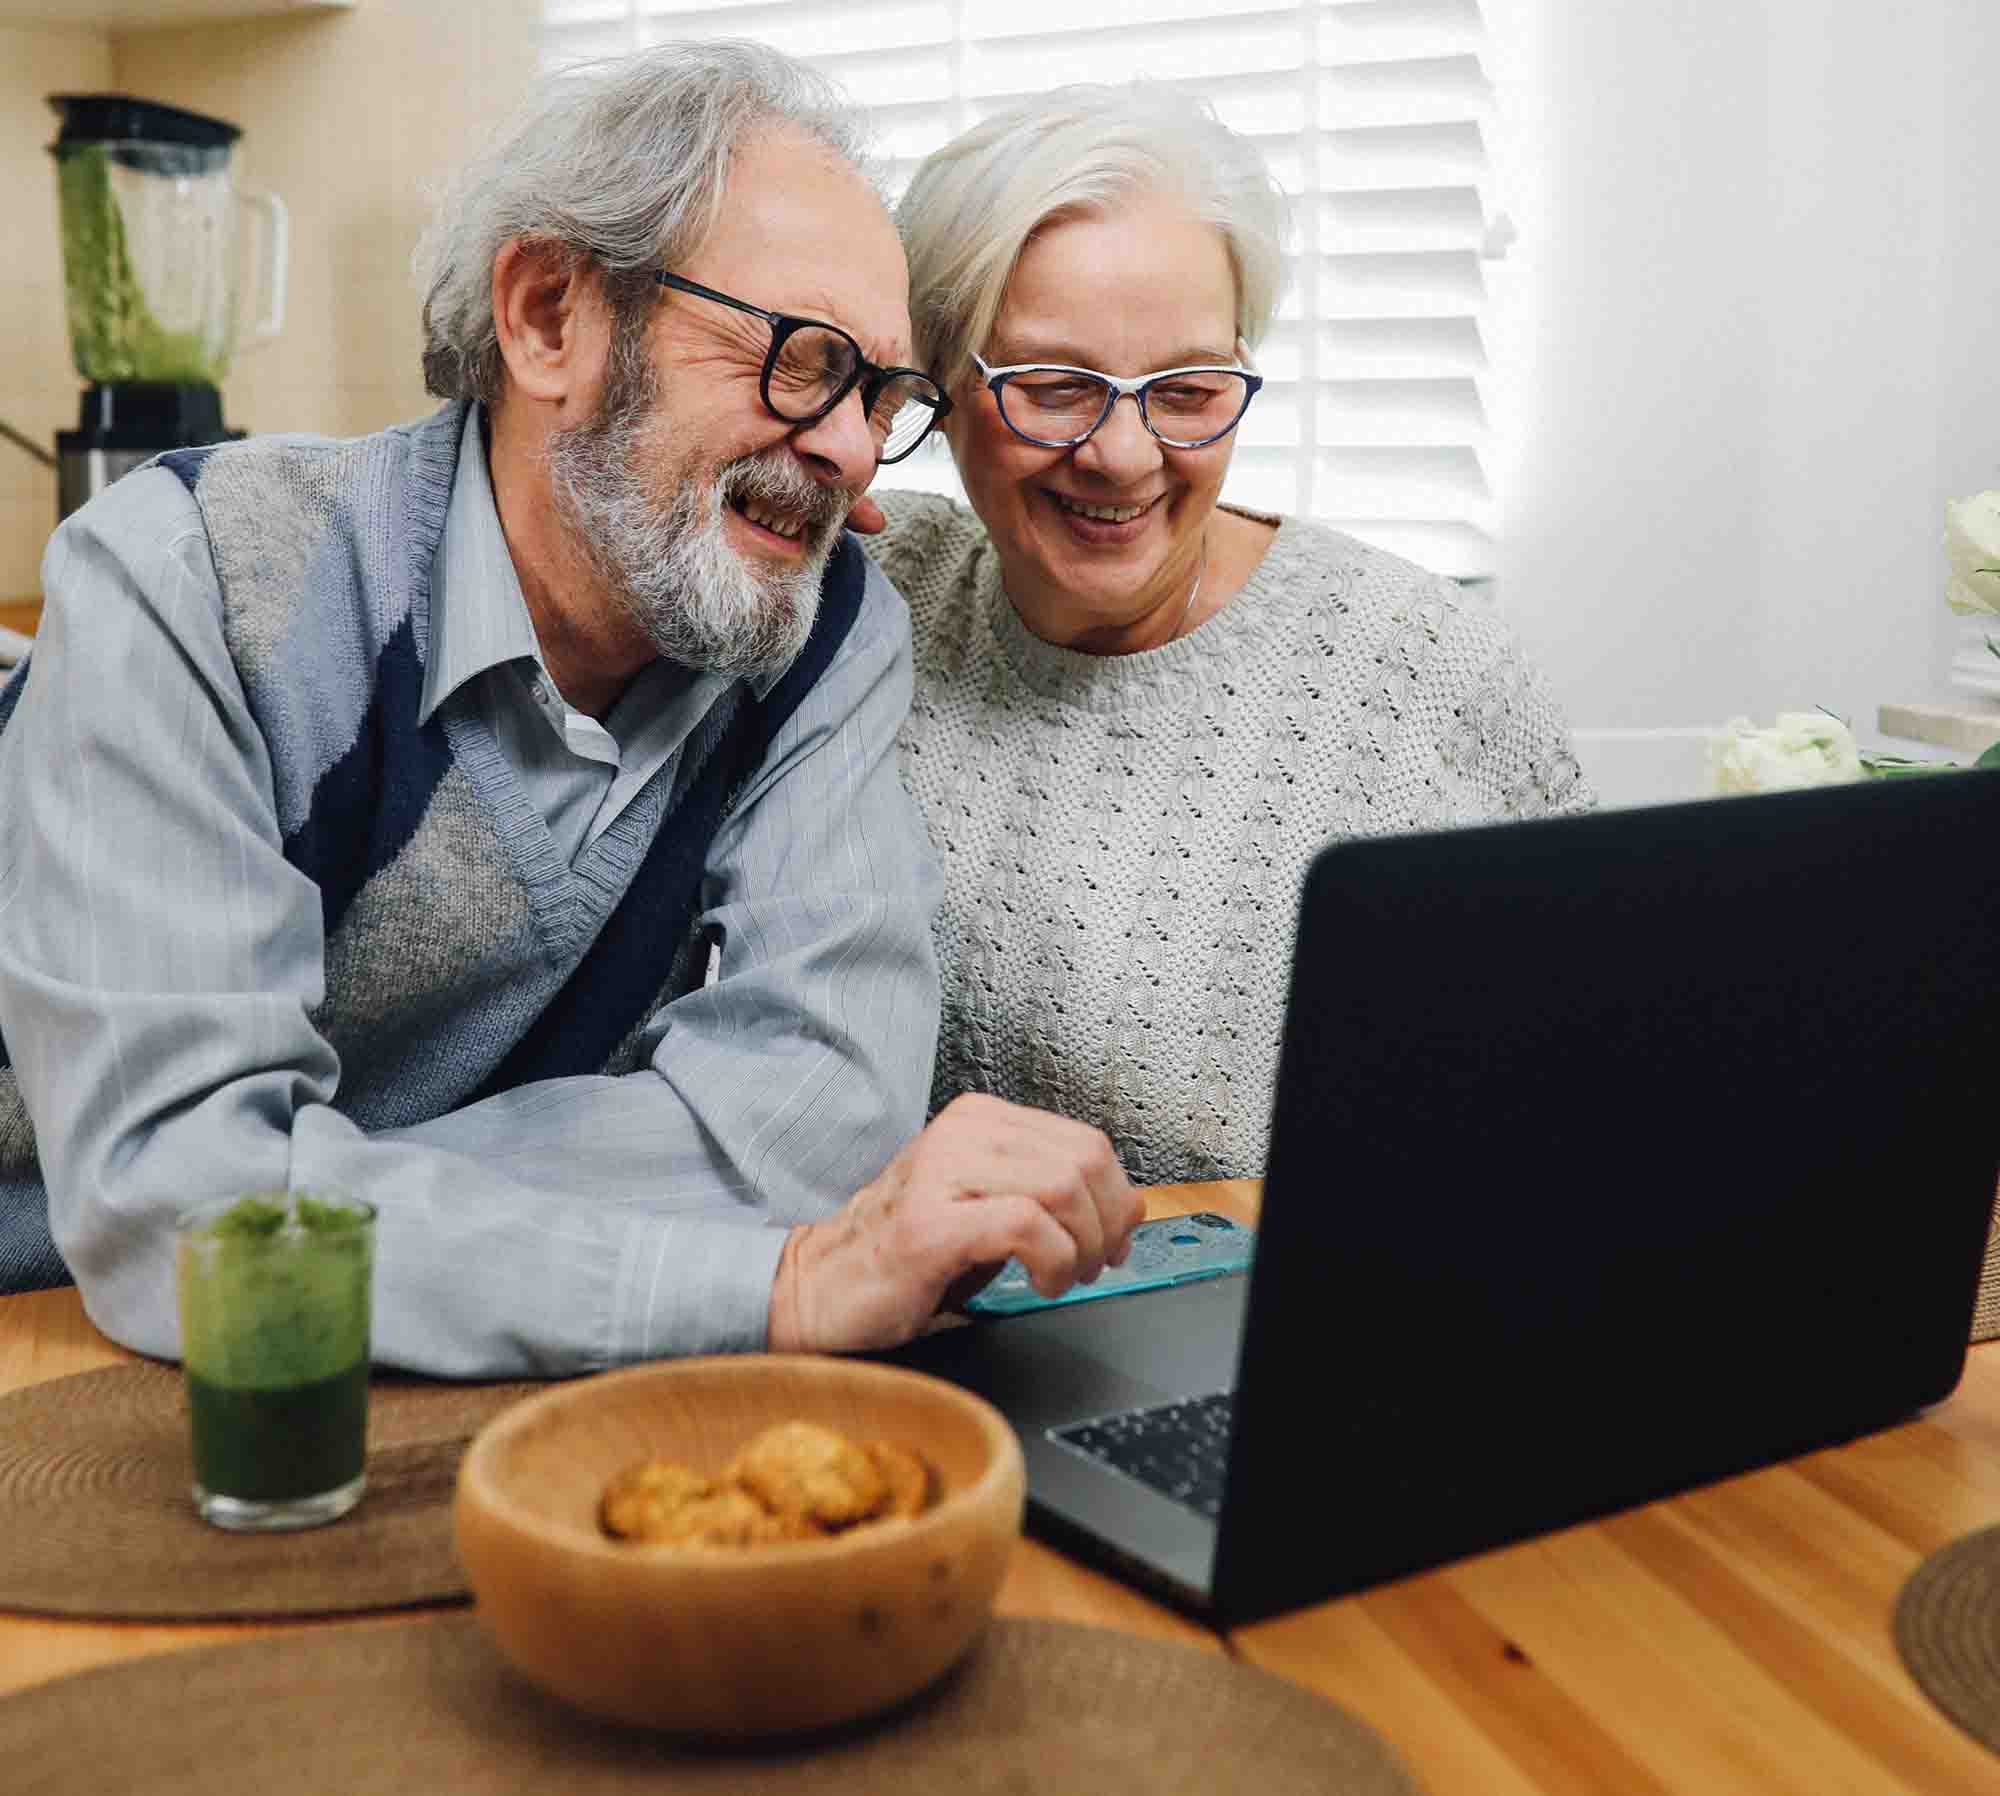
[(588, 643)]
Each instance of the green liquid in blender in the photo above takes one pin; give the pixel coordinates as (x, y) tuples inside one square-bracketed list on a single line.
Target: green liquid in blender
[(112, 331)]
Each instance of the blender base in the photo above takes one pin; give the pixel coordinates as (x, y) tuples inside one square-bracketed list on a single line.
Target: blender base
[(122, 424)]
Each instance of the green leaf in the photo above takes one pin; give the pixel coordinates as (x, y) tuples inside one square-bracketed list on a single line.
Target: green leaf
[(1991, 758), (1895, 767)]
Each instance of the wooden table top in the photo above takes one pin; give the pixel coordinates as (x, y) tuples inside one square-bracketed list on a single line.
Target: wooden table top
[(1733, 1639)]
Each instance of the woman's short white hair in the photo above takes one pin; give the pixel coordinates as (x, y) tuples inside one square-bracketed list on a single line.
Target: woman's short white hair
[(619, 163), (974, 204)]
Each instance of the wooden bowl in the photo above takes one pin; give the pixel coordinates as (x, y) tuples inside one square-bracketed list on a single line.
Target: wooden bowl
[(734, 1641)]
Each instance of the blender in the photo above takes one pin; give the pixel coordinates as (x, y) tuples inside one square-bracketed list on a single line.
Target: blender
[(156, 243)]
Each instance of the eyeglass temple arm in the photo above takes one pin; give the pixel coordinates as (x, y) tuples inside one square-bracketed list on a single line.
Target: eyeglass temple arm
[(682, 284)]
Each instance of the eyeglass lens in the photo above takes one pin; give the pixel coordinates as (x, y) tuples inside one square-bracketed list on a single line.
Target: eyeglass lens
[(1057, 407), (815, 366)]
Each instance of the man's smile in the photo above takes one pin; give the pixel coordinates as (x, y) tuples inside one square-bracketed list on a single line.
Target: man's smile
[(769, 520)]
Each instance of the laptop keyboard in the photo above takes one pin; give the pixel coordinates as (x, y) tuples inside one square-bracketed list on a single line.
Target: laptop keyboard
[(1179, 1449)]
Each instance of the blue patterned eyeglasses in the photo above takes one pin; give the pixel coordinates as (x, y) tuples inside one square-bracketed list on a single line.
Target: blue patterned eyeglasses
[(1058, 407)]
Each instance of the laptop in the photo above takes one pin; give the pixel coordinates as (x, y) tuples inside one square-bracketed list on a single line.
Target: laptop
[(1610, 1155)]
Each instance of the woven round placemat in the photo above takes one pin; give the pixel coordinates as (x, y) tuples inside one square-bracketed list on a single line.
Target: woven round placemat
[(429, 1705), (1948, 1632), (96, 1517)]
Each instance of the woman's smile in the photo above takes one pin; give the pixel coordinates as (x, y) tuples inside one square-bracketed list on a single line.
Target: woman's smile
[(1099, 523)]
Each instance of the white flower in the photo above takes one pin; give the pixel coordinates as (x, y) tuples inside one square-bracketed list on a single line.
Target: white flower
[(1803, 748), (1972, 546)]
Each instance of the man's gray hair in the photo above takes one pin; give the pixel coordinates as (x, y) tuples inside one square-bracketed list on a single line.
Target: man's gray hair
[(618, 164), (974, 204)]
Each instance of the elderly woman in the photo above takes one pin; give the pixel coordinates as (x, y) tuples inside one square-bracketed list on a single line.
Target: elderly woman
[(1139, 711)]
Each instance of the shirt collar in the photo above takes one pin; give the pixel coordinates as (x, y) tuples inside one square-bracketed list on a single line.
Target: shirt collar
[(479, 615)]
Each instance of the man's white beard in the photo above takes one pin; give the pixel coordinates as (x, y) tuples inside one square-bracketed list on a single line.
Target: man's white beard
[(671, 565)]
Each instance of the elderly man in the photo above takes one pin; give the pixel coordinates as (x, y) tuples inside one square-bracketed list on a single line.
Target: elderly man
[(497, 818)]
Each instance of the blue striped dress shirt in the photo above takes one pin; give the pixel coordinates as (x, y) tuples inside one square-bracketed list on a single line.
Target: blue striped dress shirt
[(558, 1227)]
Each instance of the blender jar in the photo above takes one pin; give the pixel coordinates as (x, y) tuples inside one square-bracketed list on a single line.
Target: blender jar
[(157, 240)]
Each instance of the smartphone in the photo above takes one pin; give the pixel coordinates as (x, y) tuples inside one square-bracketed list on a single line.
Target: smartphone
[(1167, 1251)]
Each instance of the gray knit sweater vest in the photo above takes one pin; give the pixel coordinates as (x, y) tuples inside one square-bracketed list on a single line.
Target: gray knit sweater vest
[(463, 956)]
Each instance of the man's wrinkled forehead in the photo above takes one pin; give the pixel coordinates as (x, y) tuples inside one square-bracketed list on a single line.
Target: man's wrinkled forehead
[(800, 230)]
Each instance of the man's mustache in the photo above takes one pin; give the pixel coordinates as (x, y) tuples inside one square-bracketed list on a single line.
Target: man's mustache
[(773, 477)]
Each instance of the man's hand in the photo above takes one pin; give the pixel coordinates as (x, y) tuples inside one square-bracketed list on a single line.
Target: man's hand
[(985, 1180)]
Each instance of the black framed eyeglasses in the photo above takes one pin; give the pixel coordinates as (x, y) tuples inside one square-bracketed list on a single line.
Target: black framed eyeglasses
[(812, 366), (1058, 407)]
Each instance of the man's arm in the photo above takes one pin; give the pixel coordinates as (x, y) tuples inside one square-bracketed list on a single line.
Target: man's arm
[(802, 1070), (160, 959)]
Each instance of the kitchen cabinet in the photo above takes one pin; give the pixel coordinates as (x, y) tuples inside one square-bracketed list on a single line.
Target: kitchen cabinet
[(149, 15)]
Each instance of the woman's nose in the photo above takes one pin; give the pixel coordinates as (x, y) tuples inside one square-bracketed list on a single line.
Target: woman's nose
[(1121, 448)]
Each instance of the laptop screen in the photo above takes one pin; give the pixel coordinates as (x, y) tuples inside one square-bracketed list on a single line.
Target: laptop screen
[(1612, 1154)]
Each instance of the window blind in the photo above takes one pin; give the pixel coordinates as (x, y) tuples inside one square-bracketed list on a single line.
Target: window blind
[(1377, 118)]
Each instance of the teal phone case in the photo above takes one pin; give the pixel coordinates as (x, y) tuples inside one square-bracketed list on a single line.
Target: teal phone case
[(1168, 1251)]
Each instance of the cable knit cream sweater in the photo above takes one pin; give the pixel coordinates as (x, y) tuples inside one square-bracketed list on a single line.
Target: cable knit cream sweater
[(1124, 836)]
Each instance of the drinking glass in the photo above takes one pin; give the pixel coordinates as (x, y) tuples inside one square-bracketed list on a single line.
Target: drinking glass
[(274, 1302)]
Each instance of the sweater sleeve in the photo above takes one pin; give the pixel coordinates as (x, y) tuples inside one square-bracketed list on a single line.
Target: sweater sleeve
[(162, 960), (1502, 732)]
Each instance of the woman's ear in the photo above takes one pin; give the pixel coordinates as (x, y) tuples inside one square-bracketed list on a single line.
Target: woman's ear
[(551, 322)]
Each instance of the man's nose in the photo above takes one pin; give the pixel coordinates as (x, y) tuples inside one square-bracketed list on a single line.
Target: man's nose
[(1121, 448), (840, 446)]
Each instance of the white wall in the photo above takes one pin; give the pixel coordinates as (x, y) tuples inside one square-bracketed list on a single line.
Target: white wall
[(1758, 284)]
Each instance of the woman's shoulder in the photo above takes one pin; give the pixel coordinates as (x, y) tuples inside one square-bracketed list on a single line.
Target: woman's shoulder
[(1388, 605), (1461, 634), (1373, 580), (1311, 541), (928, 546)]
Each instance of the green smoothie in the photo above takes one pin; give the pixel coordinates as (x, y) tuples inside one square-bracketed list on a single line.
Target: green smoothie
[(274, 1301), (112, 331)]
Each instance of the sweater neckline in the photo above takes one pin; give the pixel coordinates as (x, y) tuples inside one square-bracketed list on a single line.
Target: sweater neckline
[(1146, 678)]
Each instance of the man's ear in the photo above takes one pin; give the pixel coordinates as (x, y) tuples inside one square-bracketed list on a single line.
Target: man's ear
[(550, 320)]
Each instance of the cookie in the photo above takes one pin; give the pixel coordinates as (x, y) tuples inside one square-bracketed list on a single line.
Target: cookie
[(801, 1470), (643, 1499), (906, 1479)]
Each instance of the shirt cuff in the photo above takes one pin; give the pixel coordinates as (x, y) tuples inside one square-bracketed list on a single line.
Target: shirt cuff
[(696, 1286)]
